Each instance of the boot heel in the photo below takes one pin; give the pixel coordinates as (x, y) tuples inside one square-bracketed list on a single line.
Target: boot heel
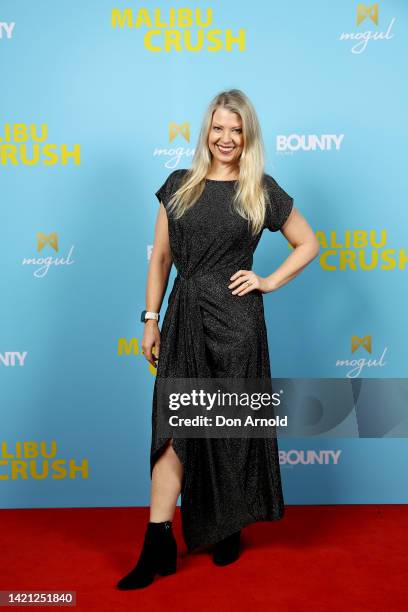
[(168, 569)]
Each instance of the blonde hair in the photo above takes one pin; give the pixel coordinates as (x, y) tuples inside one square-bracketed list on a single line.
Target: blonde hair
[(250, 192)]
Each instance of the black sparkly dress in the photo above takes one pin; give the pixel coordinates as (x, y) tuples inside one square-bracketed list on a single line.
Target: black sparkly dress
[(208, 332)]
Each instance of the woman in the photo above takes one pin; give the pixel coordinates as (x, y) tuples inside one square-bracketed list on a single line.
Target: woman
[(210, 221)]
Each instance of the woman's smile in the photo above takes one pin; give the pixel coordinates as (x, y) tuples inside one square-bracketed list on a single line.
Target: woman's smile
[(225, 149)]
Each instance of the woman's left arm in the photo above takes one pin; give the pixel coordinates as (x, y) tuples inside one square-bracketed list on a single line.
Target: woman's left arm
[(305, 245)]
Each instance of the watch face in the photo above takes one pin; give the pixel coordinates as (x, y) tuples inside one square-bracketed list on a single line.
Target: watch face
[(142, 317)]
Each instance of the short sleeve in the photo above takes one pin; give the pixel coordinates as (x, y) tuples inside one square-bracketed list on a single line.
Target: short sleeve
[(279, 206), (170, 185)]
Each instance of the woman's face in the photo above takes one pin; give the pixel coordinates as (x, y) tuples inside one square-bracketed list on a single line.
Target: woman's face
[(225, 139)]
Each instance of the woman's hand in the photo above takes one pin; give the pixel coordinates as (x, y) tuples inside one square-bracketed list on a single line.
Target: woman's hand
[(245, 281), (150, 341)]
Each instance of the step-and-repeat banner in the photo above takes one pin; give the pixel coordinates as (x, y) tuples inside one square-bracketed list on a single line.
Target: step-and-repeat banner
[(99, 102)]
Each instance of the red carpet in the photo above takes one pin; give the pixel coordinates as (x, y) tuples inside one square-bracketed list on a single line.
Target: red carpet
[(316, 558)]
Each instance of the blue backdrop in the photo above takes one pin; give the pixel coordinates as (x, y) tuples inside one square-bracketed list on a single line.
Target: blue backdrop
[(99, 103)]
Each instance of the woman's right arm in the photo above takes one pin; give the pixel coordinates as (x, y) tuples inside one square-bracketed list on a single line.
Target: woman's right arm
[(157, 277)]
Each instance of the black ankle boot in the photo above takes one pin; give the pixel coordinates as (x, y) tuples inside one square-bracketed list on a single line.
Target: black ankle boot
[(227, 551), (158, 556)]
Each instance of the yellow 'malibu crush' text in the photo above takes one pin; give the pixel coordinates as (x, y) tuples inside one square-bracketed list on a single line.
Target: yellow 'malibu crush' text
[(174, 30), (31, 459), (25, 144), (359, 250)]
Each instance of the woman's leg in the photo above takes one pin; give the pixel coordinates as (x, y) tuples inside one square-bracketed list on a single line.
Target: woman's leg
[(159, 551), (167, 476)]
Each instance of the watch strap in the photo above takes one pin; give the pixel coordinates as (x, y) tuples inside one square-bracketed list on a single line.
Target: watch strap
[(149, 315)]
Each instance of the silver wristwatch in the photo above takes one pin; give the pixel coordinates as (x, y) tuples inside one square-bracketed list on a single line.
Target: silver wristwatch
[(147, 315)]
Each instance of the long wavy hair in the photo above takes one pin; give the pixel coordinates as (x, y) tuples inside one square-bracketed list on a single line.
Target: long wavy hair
[(250, 191)]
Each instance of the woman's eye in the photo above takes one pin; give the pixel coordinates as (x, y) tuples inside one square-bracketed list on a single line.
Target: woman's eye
[(238, 130)]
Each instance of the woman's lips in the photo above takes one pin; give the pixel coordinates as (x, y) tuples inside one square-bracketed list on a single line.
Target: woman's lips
[(225, 150)]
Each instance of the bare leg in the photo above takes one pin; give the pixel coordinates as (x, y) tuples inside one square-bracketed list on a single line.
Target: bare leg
[(167, 478), (159, 551)]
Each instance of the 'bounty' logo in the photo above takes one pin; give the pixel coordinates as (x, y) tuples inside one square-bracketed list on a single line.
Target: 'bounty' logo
[(6, 29), (308, 142), (10, 359), (45, 262), (364, 12), (309, 457)]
